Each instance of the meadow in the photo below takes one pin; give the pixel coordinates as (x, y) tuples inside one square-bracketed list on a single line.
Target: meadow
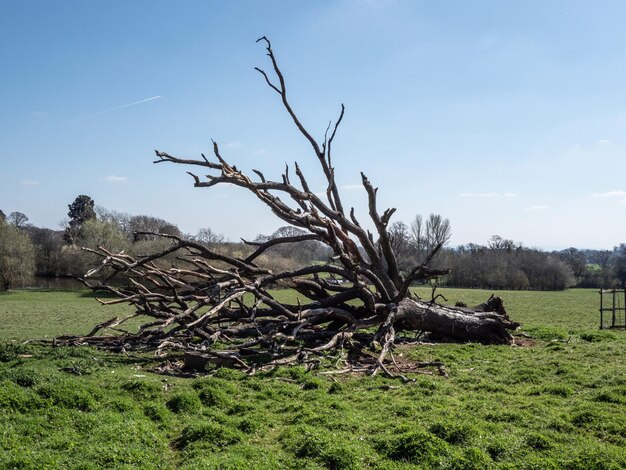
[(556, 402)]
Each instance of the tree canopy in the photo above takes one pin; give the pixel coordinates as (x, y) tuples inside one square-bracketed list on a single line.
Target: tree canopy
[(80, 211), (17, 256), (17, 219)]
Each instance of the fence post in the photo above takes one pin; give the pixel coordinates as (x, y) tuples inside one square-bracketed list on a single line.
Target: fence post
[(601, 310), (613, 318)]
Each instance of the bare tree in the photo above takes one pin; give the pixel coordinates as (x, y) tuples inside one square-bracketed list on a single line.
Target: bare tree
[(121, 219), (417, 235), (402, 244), (359, 299), (425, 236), (496, 242), (17, 219), (438, 231), (209, 237), (576, 260), (605, 260), (147, 226)]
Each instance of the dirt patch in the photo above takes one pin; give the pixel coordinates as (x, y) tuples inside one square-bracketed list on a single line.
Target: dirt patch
[(523, 342)]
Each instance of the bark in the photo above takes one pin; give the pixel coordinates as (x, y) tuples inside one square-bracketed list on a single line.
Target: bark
[(456, 323)]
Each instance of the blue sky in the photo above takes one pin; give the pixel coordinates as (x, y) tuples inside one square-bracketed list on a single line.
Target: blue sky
[(508, 118)]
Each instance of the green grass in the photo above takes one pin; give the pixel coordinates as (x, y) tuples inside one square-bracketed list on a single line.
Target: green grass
[(32, 314), (557, 404), (573, 309)]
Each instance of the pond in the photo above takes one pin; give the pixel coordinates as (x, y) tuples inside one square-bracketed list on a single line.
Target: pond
[(52, 283)]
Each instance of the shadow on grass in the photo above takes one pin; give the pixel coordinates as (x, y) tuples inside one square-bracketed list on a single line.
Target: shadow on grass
[(100, 294)]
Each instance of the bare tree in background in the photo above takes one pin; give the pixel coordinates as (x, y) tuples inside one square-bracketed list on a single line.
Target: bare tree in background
[(209, 237), (438, 231), (17, 219), (435, 231), (417, 236)]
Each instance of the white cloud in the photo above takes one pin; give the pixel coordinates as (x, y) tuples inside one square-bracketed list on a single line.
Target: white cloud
[(29, 183), (604, 141), (114, 179), (489, 195), (616, 193), (539, 208), (351, 187), (233, 145), (259, 152)]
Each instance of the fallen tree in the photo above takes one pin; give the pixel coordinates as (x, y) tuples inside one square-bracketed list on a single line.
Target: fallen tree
[(357, 302)]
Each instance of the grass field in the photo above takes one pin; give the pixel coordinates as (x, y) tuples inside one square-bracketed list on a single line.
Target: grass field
[(556, 404)]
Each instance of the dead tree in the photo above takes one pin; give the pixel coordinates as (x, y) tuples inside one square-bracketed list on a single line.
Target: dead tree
[(357, 302)]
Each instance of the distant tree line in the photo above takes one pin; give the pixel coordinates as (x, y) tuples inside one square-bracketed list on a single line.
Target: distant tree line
[(26, 250), (502, 264)]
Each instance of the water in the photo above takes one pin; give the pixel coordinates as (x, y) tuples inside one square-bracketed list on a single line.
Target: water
[(53, 283)]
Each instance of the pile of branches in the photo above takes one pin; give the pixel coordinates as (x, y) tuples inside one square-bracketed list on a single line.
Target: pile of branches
[(225, 309)]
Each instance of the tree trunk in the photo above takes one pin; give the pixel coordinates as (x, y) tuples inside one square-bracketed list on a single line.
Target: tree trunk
[(456, 323)]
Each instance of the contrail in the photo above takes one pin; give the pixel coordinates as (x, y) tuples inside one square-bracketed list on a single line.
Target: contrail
[(111, 110)]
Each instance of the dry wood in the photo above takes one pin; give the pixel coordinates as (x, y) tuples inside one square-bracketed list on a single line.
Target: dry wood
[(214, 297)]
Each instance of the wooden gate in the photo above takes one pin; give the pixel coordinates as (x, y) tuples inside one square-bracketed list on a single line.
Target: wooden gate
[(612, 308)]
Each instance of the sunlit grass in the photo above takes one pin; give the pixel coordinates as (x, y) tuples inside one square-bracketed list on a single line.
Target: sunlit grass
[(557, 404)]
